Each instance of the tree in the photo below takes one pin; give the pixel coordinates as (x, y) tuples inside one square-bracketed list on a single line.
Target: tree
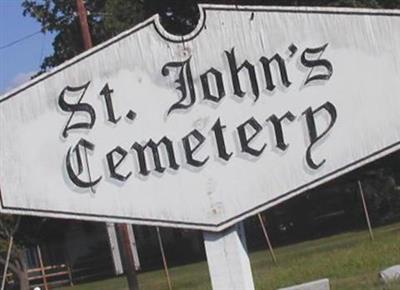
[(108, 18), (105, 18), (27, 232), (59, 17), (8, 227)]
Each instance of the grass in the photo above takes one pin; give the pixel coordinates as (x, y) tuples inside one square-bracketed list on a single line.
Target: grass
[(351, 262)]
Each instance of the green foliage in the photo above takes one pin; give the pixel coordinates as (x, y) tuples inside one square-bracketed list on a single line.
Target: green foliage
[(107, 18), (382, 195), (8, 226), (117, 19), (60, 17)]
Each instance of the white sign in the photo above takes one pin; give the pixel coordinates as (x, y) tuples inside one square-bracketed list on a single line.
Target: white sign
[(253, 107)]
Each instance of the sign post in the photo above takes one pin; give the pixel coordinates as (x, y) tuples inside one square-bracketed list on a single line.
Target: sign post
[(155, 129), (228, 260)]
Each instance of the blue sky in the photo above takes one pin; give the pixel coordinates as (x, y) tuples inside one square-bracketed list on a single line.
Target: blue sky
[(19, 61)]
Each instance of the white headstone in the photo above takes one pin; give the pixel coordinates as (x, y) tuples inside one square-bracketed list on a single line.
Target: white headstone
[(390, 274), (322, 284)]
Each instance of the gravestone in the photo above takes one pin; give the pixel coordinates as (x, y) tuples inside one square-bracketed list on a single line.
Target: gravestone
[(322, 284), (390, 274)]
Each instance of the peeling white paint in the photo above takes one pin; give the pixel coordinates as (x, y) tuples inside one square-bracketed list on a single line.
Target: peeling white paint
[(363, 47)]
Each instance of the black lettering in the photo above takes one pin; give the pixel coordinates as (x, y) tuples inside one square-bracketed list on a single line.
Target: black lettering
[(74, 175), (312, 130), (140, 150), (235, 75), (113, 166), (245, 140), (106, 93), (219, 138), (78, 107), (206, 86), (185, 84), (277, 123), (189, 151), (314, 63), (268, 74)]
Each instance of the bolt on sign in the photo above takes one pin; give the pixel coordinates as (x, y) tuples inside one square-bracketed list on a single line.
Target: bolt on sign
[(253, 107)]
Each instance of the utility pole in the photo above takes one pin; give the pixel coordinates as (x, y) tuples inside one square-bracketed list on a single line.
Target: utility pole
[(122, 229), (87, 39)]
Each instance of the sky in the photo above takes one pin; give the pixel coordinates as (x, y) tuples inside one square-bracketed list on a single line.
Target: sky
[(21, 60)]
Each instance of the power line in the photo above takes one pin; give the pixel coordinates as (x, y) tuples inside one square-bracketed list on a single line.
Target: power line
[(39, 31), (19, 40), (43, 30), (41, 50)]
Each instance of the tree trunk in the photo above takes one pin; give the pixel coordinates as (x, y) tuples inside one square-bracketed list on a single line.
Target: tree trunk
[(23, 280), (20, 274), (23, 273)]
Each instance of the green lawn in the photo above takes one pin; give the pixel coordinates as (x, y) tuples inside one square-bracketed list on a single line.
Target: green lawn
[(351, 262)]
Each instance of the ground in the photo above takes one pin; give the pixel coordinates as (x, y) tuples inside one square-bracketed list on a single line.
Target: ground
[(351, 261)]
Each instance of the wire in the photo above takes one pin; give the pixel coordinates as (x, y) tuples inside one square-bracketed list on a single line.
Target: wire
[(42, 50), (43, 30), (19, 40)]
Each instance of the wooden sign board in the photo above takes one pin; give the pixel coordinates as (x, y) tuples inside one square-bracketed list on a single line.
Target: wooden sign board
[(255, 106)]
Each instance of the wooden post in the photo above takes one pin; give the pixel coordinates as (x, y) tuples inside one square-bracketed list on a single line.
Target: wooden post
[(115, 251), (46, 287), (133, 244), (228, 260), (164, 258), (127, 256), (371, 234), (69, 269), (87, 39), (264, 229), (71, 281)]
